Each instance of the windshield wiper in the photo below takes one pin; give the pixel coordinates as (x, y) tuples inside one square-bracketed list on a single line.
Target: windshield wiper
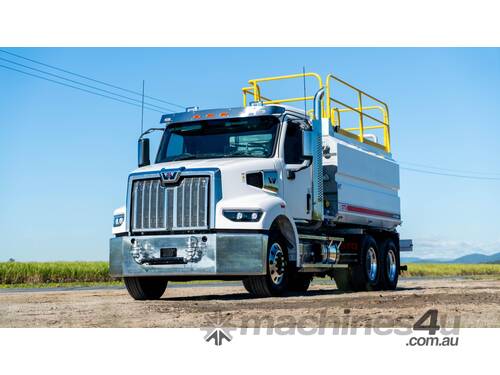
[(197, 156), (245, 154), (189, 156), (184, 157), (236, 153)]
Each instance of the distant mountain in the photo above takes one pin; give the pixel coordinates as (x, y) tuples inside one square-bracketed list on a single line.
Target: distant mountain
[(478, 258), (466, 259), (421, 260)]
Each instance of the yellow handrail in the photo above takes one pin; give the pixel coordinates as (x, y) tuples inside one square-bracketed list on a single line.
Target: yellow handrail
[(360, 110), (372, 107), (248, 90), (332, 112), (255, 90)]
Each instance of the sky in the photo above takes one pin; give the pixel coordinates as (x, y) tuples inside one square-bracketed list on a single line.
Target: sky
[(65, 154)]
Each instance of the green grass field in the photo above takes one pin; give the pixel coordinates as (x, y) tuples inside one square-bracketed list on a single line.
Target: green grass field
[(53, 274), (443, 269)]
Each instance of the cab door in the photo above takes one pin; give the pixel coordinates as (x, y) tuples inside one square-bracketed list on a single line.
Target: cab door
[(297, 173)]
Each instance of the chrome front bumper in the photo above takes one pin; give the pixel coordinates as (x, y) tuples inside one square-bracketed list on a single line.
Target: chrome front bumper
[(228, 254)]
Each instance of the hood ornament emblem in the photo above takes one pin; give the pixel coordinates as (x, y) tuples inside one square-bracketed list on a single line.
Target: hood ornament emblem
[(170, 176)]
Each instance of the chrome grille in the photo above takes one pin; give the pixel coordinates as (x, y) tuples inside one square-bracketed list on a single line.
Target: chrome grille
[(180, 207)]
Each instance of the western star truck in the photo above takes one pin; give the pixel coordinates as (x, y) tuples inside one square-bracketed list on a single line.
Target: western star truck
[(265, 193)]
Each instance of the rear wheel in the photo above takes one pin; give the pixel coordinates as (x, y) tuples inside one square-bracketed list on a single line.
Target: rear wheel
[(364, 275), (390, 265), (275, 281), (145, 288)]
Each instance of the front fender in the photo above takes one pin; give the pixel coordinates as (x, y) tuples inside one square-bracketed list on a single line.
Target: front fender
[(288, 229), (274, 215), (271, 206)]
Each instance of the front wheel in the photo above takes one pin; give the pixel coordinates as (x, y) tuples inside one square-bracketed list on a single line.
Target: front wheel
[(145, 288), (275, 281)]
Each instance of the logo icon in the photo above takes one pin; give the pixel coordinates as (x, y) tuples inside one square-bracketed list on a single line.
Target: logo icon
[(217, 332), (270, 181), (170, 176)]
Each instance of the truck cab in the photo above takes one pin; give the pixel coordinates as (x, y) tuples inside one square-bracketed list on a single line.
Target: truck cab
[(264, 193)]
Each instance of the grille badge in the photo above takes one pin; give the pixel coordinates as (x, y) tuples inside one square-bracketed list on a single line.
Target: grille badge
[(170, 176)]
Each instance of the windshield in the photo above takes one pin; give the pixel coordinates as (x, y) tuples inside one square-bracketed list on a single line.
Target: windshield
[(236, 137)]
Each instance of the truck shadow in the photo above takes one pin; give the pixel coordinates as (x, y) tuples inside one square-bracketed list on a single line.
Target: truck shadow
[(312, 293)]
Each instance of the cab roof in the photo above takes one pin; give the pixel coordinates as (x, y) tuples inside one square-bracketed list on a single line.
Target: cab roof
[(235, 112)]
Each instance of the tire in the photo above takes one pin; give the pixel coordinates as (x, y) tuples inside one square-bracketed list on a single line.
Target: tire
[(390, 265), (364, 275), (275, 281), (145, 288), (299, 283)]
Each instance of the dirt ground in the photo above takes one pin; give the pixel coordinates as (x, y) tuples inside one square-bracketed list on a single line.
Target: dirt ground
[(463, 303)]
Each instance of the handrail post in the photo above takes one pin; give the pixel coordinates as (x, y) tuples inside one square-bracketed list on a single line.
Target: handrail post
[(256, 91), (335, 118), (361, 130), (387, 128), (327, 100)]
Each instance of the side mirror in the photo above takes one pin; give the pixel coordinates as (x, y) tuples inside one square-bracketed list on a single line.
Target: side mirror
[(143, 152), (307, 153)]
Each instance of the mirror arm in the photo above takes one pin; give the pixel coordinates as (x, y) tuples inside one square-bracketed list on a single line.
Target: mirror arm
[(291, 172), (150, 130), (144, 157)]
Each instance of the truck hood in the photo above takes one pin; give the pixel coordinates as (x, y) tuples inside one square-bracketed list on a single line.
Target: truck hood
[(236, 193), (235, 190)]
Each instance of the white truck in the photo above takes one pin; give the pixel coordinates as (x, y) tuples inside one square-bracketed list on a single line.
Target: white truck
[(265, 193)]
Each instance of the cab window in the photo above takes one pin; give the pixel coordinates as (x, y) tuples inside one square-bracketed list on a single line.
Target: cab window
[(293, 143)]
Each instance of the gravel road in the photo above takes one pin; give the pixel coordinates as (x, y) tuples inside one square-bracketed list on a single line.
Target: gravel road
[(460, 302)]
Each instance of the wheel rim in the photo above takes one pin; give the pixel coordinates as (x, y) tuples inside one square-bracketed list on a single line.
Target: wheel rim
[(391, 265), (276, 263), (371, 264)]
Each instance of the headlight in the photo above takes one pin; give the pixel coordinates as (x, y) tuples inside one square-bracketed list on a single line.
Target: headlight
[(243, 215), (118, 220)]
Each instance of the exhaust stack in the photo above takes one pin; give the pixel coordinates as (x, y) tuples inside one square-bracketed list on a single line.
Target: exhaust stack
[(317, 149)]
